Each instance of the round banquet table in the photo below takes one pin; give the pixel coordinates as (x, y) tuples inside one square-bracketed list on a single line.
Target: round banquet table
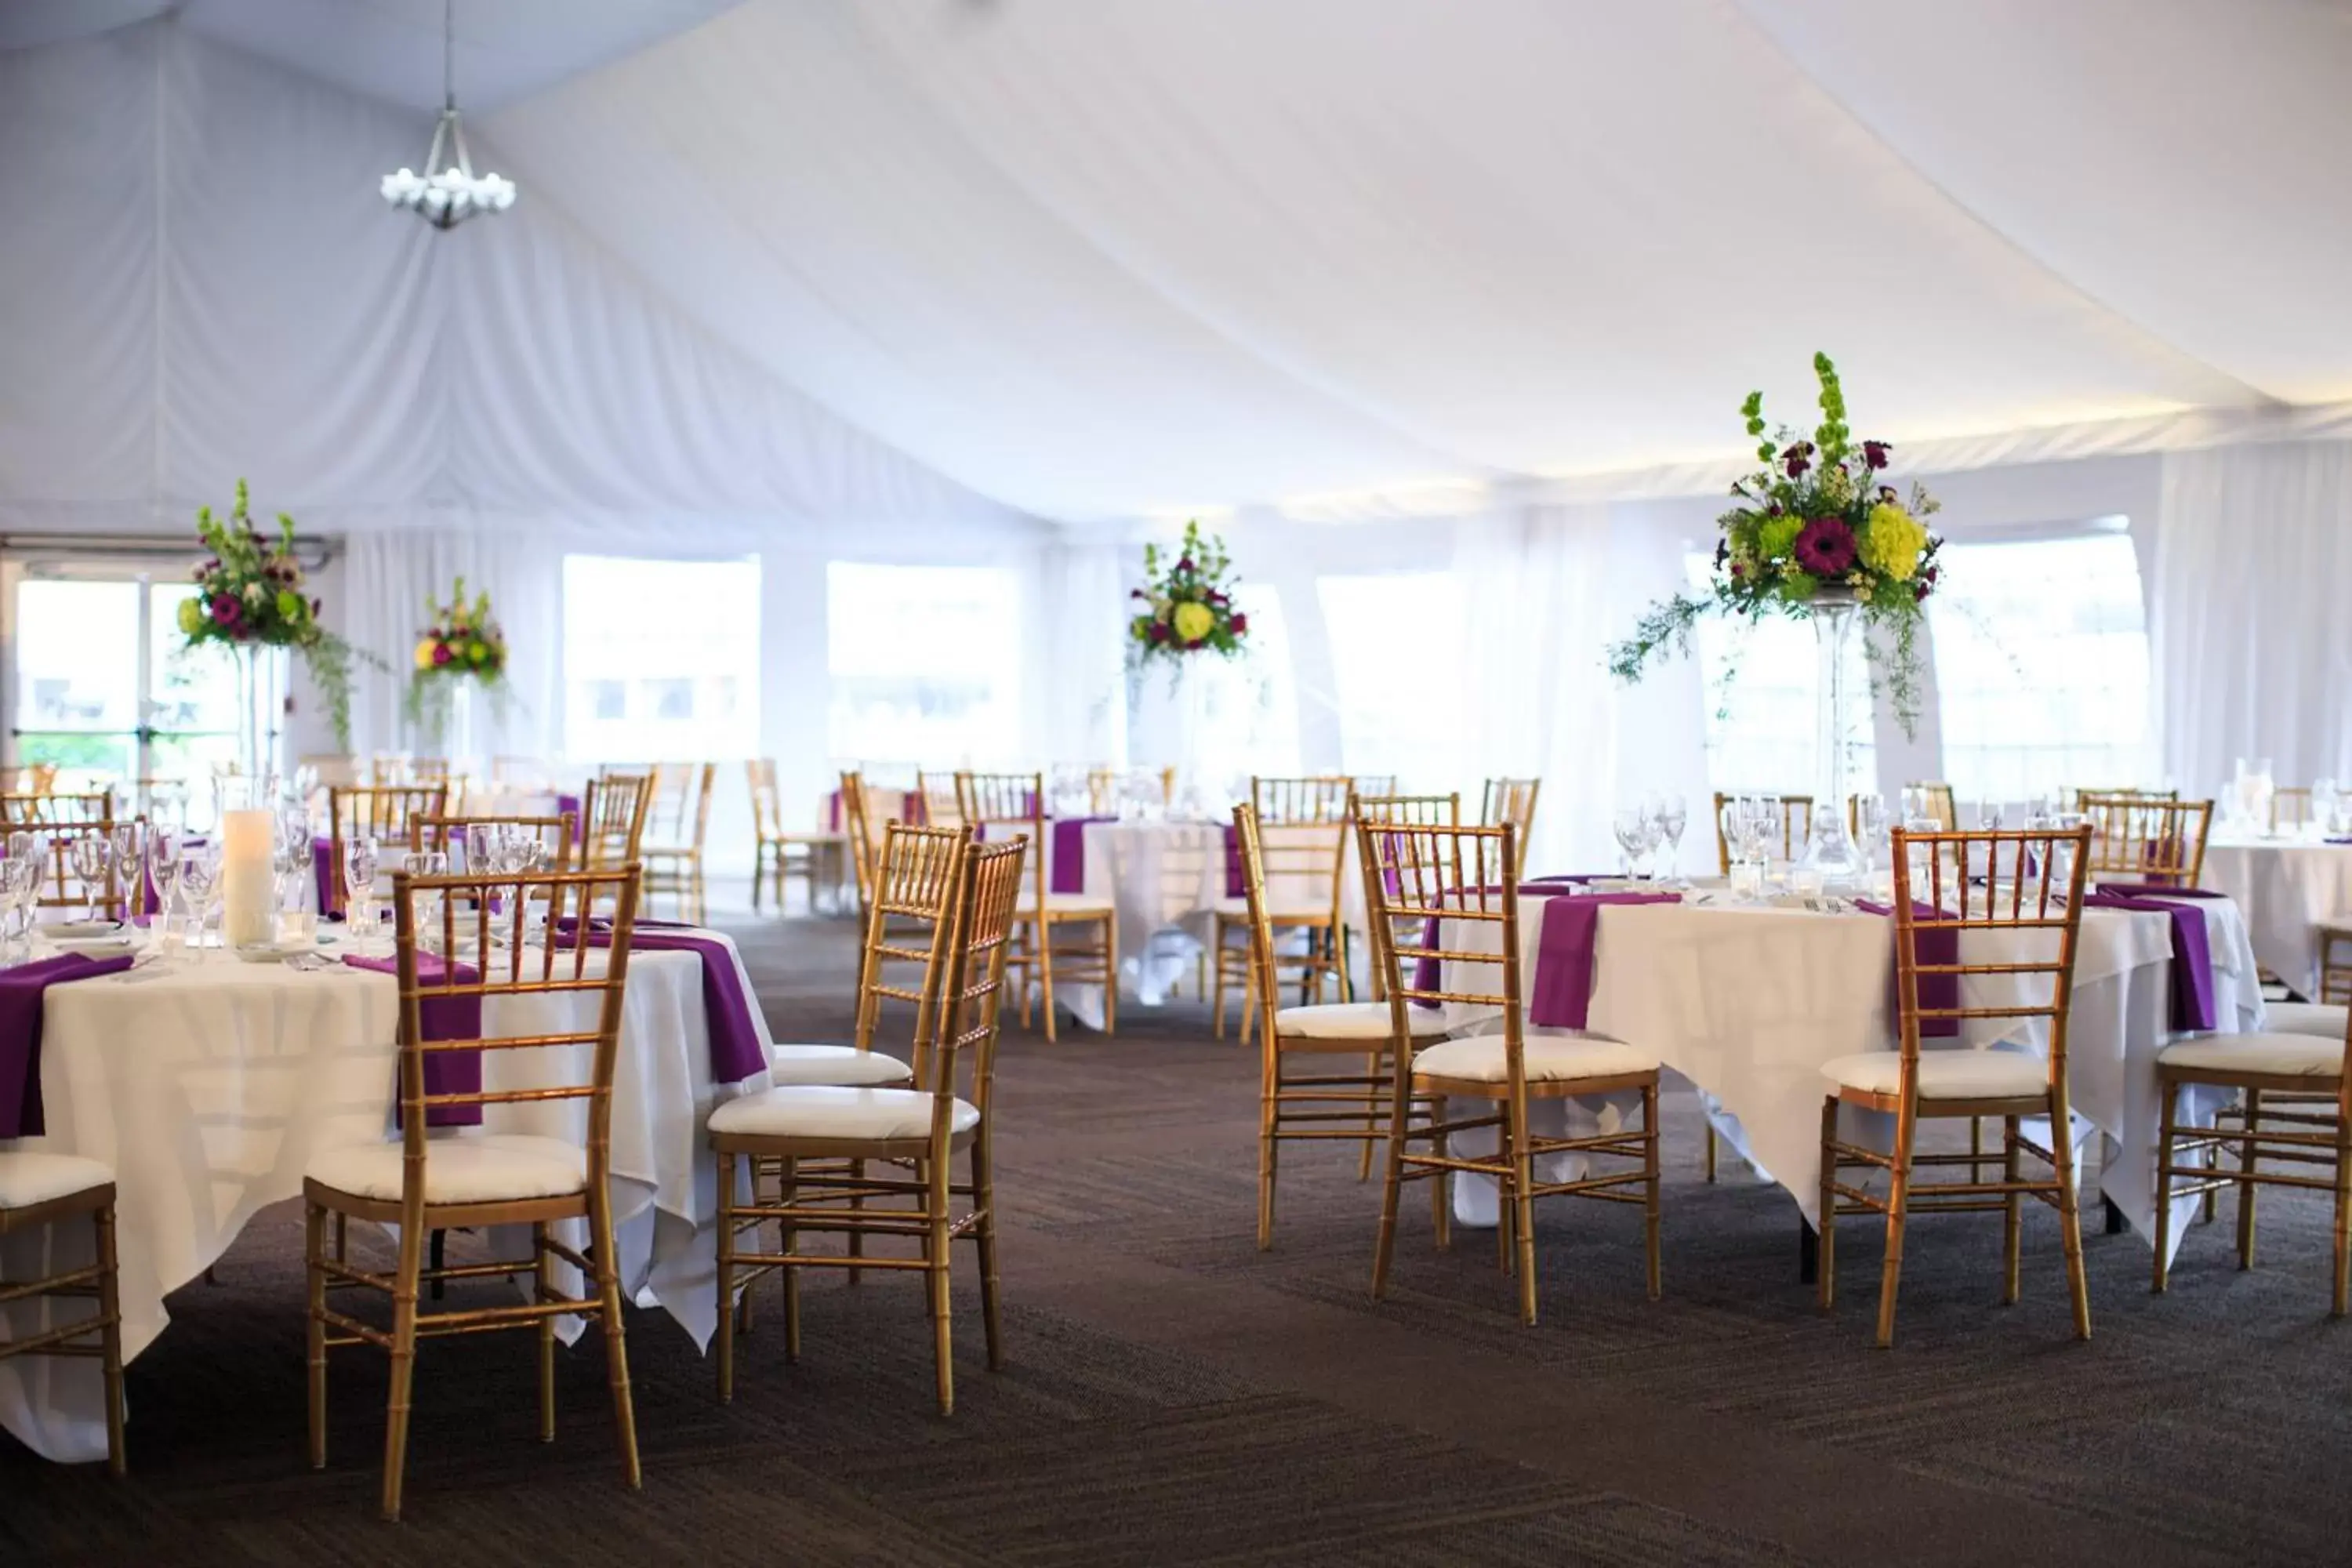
[(208, 1084), (1749, 1001), (2286, 886)]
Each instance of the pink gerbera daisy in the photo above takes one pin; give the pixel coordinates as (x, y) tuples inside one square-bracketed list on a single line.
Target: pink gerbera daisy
[(1825, 547)]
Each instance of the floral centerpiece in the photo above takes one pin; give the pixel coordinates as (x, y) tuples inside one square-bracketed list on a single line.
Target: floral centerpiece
[(1815, 526), (249, 597), (1187, 604), (462, 645)]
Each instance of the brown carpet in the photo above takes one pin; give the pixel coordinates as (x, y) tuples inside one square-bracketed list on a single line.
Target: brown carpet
[(1174, 1396)]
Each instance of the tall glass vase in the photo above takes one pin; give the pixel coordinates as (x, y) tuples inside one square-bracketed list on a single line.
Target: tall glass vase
[(260, 708), (1829, 849)]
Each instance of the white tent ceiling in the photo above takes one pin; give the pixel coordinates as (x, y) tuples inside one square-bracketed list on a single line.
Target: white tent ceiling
[(1130, 256)]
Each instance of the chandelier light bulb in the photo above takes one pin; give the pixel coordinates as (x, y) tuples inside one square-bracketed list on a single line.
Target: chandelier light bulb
[(448, 192)]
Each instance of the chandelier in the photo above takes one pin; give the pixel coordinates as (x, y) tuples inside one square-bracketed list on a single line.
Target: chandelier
[(449, 193)]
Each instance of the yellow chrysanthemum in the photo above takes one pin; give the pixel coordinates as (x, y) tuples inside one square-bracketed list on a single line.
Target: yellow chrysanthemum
[(192, 616), (1777, 536), (1894, 541), (424, 653), (1193, 621)]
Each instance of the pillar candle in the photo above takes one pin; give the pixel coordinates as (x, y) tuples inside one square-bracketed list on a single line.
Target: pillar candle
[(248, 879)]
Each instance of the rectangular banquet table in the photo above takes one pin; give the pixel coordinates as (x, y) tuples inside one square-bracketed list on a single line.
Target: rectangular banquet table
[(208, 1084), (2285, 887), (1748, 1002)]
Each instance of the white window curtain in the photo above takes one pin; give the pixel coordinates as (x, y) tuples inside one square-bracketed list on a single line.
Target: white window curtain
[(387, 579), (2249, 634), (1077, 652)]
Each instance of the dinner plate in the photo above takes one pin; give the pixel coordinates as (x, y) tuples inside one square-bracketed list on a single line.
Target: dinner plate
[(93, 946), (81, 930), (269, 952)]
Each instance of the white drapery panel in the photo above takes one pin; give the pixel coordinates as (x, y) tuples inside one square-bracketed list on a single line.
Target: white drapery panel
[(201, 282), (2252, 644), (1077, 653)]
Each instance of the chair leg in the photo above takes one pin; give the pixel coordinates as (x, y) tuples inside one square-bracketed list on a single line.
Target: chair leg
[(1898, 1203), (406, 1279), (725, 1355), (2247, 1161), (2013, 1216), (984, 1196), (856, 1245), (787, 1234), (760, 875), (1825, 1262), (2343, 1208), (1371, 1121), (1269, 1120), (546, 1291), (616, 1350), (2168, 1112), (2070, 1212), (315, 1279), (1650, 1186), (1110, 975), (109, 1341), (1217, 979), (1250, 982), (1523, 1211), (938, 1254), (1045, 971), (1384, 1246), (1441, 1181)]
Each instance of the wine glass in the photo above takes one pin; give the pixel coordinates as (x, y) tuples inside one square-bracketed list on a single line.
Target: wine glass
[(199, 881), (163, 848), (1632, 827), (1672, 816), (428, 863), (128, 859), (18, 882), (92, 853), (1870, 826), (358, 883)]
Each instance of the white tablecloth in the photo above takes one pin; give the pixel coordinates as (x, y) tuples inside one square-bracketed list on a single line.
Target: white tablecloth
[(1749, 1003), (208, 1084), (2284, 886)]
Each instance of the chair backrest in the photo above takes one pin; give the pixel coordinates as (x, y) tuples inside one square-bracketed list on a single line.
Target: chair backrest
[(1322, 798), (381, 812), (767, 801), (2290, 806), (1374, 784), (572, 1063), (393, 768), (1465, 878), (1512, 801), (1942, 805), (19, 810), (1796, 827), (909, 918), (858, 823), (678, 813), (1970, 886), (943, 806), (987, 890), (1374, 812), (2139, 838), (2075, 797), (1015, 801), (613, 813), (63, 887), (451, 836)]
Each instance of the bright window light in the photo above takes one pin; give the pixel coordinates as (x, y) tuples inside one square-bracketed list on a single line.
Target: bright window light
[(925, 666), (661, 658), (1397, 684)]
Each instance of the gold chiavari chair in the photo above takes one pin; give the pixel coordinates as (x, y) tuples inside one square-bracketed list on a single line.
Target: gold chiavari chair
[(678, 824), (395, 769), (2290, 808), (613, 817), (1796, 827), (2073, 798), (1512, 801), (1294, 1107), (451, 836), (858, 823), (425, 1184), (60, 820), (38, 1191), (942, 805), (18, 810), (1303, 830), (1953, 965), (1104, 785), (779, 850), (1457, 904), (2145, 838), (991, 802), (381, 812), (2309, 1123), (1942, 803), (917, 1132)]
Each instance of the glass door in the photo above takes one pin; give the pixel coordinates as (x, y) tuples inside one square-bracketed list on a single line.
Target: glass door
[(99, 685)]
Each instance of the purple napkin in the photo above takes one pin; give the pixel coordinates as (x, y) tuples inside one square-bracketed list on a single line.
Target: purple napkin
[(2193, 956), (1938, 993), (23, 991), (735, 1052), (1070, 872), (2158, 890), (1561, 994), (569, 806), (1236, 884), (442, 1018)]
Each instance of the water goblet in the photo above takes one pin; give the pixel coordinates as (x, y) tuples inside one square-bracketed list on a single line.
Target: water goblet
[(360, 860), (199, 880), (1630, 826), (1672, 819), (92, 853)]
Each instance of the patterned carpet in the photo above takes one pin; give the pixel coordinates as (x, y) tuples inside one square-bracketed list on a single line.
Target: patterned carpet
[(1174, 1396)]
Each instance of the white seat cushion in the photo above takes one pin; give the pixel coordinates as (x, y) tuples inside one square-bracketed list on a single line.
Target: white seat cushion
[(1548, 1058), (496, 1168), (1065, 903), (2304, 1018), (2311, 1056), (810, 1111), (835, 1065), (29, 1177), (1945, 1075), (1367, 1021)]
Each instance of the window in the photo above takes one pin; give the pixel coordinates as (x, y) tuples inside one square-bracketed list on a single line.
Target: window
[(1250, 711), (1395, 684), (2042, 666), (926, 664), (1763, 683), (643, 642)]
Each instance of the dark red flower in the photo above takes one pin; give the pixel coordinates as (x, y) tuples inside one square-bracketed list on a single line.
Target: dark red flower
[(1798, 458), (227, 610), (1185, 565), (441, 653), (1158, 631), (1874, 452), (1920, 592), (1240, 624), (1825, 547)]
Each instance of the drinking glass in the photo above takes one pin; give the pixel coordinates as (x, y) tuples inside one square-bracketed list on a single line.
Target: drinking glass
[(359, 884), (1672, 819), (1869, 826), (1632, 827), (18, 882), (163, 869), (199, 884), (92, 853)]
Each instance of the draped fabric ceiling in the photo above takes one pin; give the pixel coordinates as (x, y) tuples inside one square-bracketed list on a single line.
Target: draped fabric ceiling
[(962, 259)]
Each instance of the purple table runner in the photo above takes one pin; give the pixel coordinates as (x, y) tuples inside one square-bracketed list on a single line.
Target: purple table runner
[(1560, 996), (735, 1050), (23, 992), (1938, 993), (441, 1018), (2192, 955), (1069, 866)]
